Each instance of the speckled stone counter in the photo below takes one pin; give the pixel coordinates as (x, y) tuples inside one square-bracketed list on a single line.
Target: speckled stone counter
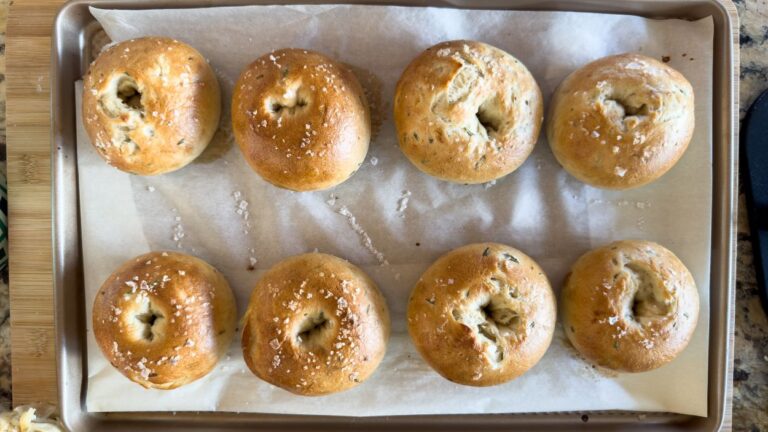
[(750, 396), (750, 373)]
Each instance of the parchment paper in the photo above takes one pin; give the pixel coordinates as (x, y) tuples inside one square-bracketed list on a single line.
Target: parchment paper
[(218, 209)]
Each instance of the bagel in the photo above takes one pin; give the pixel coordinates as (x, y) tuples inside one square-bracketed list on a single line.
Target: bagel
[(150, 105), (467, 112), (621, 121), (164, 319), (301, 120), (482, 314), (315, 325), (630, 306)]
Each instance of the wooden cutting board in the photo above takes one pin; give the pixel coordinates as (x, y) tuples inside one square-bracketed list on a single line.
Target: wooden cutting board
[(28, 49)]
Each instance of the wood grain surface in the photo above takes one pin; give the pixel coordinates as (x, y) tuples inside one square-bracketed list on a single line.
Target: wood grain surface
[(28, 48), (29, 195)]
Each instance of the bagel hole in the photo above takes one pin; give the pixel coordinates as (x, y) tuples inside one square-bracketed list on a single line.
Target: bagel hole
[(492, 321), (312, 328), (498, 320), (277, 107), (489, 116), (148, 320), (627, 106), (500, 314), (128, 93), (630, 110), (649, 300), (290, 102)]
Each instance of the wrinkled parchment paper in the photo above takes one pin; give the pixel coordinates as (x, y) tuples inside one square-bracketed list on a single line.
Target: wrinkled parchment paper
[(218, 209)]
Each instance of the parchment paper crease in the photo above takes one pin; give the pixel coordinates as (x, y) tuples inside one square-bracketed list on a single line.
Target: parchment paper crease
[(538, 209)]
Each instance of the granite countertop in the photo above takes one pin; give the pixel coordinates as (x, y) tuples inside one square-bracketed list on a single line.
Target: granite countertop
[(750, 376), (750, 373)]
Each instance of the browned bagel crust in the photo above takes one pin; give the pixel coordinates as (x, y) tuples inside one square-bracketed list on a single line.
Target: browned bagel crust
[(482, 314), (150, 105), (467, 112), (630, 306), (301, 119), (164, 319), (315, 324), (621, 121)]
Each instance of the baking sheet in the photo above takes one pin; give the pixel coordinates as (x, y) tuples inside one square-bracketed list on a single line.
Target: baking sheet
[(538, 209)]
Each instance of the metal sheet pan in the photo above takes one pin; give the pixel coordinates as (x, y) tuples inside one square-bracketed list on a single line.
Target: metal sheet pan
[(73, 31)]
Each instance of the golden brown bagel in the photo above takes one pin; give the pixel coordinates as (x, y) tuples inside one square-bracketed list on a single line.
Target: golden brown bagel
[(315, 324), (621, 121), (482, 314), (150, 105), (301, 120), (164, 319), (630, 306), (467, 112)]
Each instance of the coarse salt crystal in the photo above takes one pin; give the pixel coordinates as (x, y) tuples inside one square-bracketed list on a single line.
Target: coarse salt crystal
[(364, 237), (402, 202)]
